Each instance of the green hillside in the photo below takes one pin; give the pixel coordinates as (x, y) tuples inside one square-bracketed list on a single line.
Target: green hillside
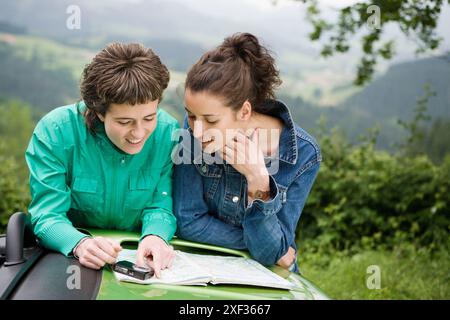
[(395, 92), (394, 96), (39, 72)]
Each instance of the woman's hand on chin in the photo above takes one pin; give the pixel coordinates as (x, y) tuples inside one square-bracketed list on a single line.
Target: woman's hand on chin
[(245, 155)]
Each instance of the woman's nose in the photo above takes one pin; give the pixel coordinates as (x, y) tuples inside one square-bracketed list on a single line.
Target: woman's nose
[(138, 132), (197, 130)]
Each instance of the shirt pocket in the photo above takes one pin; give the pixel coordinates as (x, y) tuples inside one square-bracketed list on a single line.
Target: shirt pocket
[(87, 195), (211, 175), (141, 187), (232, 205), (209, 170)]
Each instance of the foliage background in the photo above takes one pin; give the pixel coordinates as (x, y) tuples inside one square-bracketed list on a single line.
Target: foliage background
[(382, 196)]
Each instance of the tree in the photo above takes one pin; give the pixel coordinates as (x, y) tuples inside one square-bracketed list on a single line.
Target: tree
[(14, 195), (416, 129), (417, 19), (16, 127)]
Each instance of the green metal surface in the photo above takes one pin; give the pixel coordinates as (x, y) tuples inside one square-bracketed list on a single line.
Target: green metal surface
[(112, 289)]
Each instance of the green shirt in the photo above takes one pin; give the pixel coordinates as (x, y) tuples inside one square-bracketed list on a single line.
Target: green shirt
[(78, 179)]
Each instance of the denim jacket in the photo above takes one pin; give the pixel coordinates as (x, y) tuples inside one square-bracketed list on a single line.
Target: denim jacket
[(210, 200)]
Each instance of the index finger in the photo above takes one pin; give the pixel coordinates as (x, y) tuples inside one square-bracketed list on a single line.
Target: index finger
[(231, 137), (140, 258), (155, 263)]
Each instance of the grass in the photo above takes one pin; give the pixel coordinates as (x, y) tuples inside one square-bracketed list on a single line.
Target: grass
[(405, 273)]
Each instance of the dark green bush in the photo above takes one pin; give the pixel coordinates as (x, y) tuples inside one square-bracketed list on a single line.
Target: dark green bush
[(365, 198), (14, 195), (16, 126)]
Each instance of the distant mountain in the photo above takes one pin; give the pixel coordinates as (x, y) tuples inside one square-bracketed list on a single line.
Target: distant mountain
[(393, 96), (395, 93), (29, 81)]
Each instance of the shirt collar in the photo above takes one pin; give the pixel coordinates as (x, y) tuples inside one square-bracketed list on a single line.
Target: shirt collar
[(288, 151)]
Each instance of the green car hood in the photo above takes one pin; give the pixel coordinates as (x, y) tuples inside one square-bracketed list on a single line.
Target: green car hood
[(111, 288)]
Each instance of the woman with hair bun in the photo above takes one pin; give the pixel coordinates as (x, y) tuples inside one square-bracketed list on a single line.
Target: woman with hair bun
[(247, 186)]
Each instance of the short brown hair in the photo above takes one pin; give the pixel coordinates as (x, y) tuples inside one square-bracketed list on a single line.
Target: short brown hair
[(239, 69), (121, 73)]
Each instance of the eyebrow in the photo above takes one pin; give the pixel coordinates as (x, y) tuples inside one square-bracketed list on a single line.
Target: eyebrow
[(204, 115), (125, 118)]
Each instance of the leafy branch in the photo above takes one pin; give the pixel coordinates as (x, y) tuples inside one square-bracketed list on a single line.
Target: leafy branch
[(417, 19)]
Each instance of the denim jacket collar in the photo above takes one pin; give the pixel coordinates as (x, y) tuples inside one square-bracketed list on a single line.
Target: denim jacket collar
[(288, 150)]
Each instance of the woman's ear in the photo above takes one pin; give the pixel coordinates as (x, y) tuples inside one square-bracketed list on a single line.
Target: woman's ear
[(245, 112)]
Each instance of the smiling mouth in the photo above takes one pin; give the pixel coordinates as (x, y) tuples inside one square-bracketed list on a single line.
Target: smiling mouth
[(134, 142), (205, 143)]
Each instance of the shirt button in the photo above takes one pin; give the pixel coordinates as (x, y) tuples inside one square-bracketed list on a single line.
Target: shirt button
[(235, 199), (122, 162)]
